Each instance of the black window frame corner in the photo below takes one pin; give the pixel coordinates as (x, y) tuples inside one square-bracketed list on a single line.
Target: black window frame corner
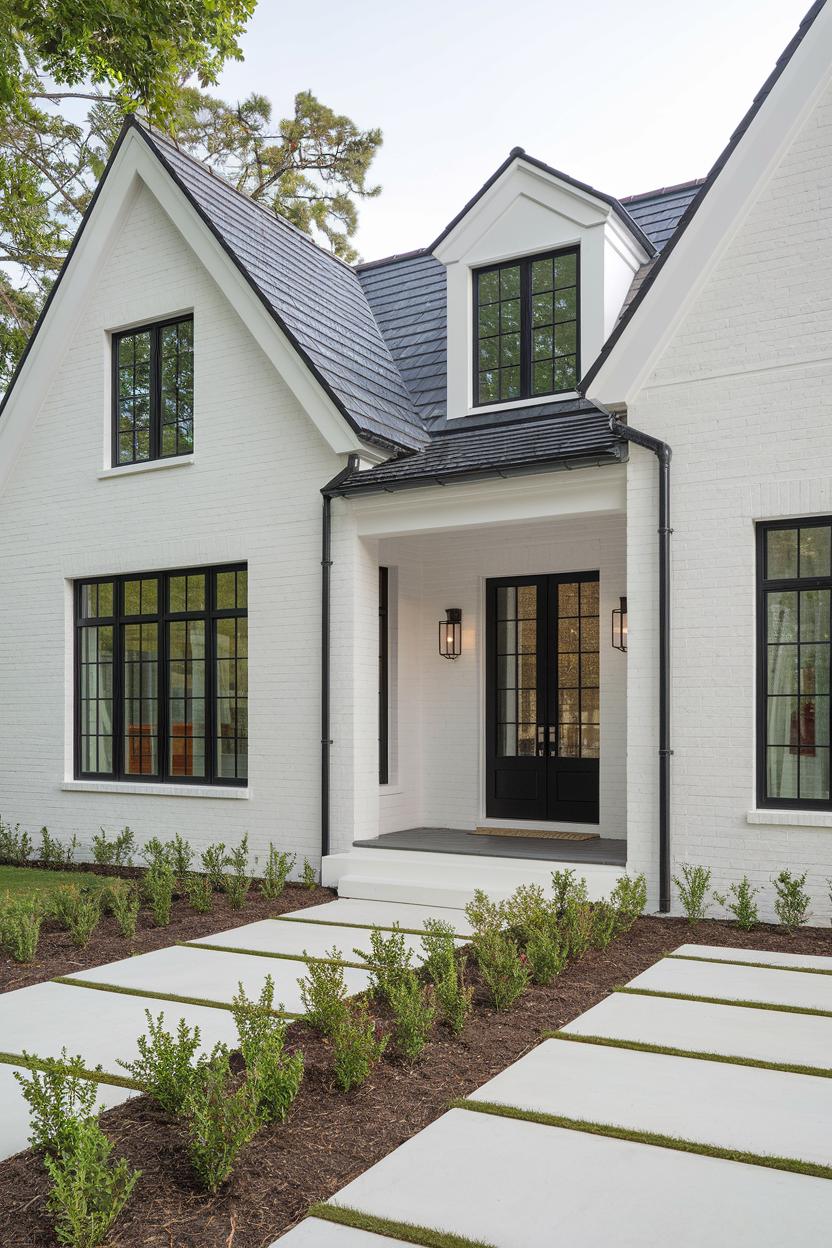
[(162, 617), (764, 585), (154, 328), (524, 262)]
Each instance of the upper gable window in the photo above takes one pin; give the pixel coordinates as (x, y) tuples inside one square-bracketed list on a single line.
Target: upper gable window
[(153, 392), (526, 328)]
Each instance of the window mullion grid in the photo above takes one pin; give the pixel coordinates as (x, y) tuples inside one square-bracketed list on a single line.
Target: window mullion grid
[(525, 329), (210, 677), (119, 769), (163, 680), (155, 393)]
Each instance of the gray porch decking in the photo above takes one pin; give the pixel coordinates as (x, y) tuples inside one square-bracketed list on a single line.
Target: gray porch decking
[(606, 852)]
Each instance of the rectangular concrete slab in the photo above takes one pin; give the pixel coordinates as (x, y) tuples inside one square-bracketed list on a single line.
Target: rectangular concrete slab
[(299, 938), (738, 983), (101, 1026), (382, 914), (762, 1035), (14, 1111), (737, 1107), (206, 974), (315, 1233), (522, 1185), (721, 953)]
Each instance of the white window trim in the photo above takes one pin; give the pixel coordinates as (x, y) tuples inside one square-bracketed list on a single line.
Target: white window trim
[(150, 465), (156, 790), (791, 818)]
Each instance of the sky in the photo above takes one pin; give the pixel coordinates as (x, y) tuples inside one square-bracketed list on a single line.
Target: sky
[(627, 97)]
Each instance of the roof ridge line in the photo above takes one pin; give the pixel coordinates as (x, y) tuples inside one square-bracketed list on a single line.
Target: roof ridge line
[(662, 190)]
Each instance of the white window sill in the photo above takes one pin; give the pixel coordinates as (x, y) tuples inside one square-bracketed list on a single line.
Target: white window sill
[(792, 818), (512, 405), (389, 790), (156, 790), (152, 465)]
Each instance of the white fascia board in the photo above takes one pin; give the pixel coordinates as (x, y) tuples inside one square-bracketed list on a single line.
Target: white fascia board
[(718, 218), (136, 166), (547, 495)]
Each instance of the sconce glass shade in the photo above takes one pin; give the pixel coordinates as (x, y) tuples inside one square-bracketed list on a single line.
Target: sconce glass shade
[(619, 625), (450, 633)]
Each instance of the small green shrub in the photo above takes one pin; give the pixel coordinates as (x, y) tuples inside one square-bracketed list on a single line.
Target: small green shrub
[(167, 1065), (693, 886), (453, 997), (629, 897), (88, 1190), (505, 973), (324, 993), (604, 924), (357, 1045), (213, 864), (275, 1074), (546, 953), (199, 892), (53, 853), (222, 1119), (180, 855), (115, 853), (485, 915), (158, 887), (16, 847), (278, 868), (414, 1011), (237, 882), (62, 903), (154, 853), (58, 1097), (20, 923), (85, 919), (743, 906), (567, 888), (528, 909), (439, 949), (124, 903), (309, 876), (577, 926), (792, 901), (389, 961)]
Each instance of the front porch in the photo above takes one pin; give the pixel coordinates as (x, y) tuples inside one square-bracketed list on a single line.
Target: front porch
[(605, 851)]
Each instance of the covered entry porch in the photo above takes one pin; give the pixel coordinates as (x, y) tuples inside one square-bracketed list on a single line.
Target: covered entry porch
[(509, 754)]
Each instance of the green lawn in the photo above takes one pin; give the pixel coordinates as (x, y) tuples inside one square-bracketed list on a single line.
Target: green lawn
[(27, 880)]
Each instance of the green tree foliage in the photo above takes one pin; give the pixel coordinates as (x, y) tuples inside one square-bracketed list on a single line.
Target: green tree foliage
[(70, 73)]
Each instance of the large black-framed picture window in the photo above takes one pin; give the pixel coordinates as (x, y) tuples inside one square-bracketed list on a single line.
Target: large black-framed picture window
[(526, 327), (153, 392), (161, 676), (383, 675), (794, 583)]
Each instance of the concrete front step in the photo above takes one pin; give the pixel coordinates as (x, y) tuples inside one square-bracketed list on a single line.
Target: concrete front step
[(448, 880)]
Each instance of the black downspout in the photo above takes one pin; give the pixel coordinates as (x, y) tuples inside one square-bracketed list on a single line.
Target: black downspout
[(663, 455), (326, 595)]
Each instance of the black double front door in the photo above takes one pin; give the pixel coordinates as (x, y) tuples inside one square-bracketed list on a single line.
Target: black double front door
[(542, 697)]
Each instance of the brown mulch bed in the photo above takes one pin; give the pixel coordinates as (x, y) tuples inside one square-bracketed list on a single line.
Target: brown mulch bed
[(58, 956), (331, 1138)]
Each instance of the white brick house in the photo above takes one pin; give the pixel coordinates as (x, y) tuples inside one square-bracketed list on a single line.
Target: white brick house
[(203, 372)]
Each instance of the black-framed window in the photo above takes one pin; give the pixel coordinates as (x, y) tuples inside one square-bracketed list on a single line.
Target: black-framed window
[(526, 327), (161, 676), (153, 392), (794, 583), (383, 675)]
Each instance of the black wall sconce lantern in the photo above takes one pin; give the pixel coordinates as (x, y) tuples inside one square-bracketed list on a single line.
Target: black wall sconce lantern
[(450, 633), (619, 625)]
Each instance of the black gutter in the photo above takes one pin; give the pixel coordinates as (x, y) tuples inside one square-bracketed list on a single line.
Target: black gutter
[(326, 587), (663, 455)]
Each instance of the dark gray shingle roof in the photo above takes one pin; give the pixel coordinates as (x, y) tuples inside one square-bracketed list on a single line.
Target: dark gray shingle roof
[(581, 437), (316, 298), (659, 212)]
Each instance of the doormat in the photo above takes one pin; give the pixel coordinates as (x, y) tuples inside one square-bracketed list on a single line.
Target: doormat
[(538, 833)]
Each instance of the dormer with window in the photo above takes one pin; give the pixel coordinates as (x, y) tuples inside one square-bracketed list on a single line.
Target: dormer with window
[(538, 270)]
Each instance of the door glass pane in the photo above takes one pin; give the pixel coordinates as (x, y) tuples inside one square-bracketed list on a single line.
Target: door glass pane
[(578, 670), (516, 670)]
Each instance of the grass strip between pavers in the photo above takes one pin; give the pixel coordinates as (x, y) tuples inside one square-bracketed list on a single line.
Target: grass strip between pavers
[(407, 1232), (746, 1005), (664, 1050), (96, 986), (652, 1138), (284, 957), (29, 1062), (760, 966), (360, 927)]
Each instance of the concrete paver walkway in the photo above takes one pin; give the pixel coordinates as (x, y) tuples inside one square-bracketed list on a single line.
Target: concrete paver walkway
[(512, 1182)]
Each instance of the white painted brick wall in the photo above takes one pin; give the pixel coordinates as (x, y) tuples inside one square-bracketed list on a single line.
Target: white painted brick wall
[(252, 493), (744, 396), (440, 711)]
